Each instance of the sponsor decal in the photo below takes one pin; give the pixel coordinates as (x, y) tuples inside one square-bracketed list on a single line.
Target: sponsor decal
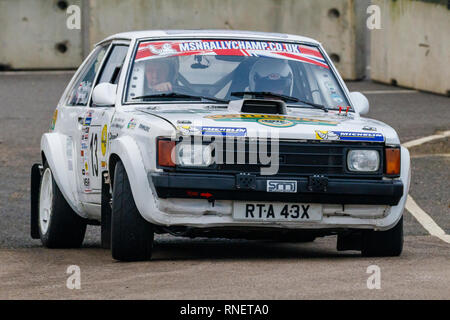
[(186, 129), (369, 128), (88, 118), (276, 122), (113, 136), (213, 131), (326, 135), (131, 124), (281, 186), (224, 131), (289, 51), (104, 139), (349, 136), (54, 118), (271, 120), (87, 121), (117, 123), (163, 50), (144, 127), (184, 121)]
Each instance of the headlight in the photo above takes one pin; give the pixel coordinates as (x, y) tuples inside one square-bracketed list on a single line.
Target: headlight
[(363, 160), (194, 155)]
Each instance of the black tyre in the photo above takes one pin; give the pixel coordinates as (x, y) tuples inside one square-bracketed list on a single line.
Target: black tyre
[(131, 235), (387, 243), (59, 225)]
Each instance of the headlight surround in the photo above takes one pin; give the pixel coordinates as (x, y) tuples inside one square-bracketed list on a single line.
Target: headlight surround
[(363, 160), (194, 155)]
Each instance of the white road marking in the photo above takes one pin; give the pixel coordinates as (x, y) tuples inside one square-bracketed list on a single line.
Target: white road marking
[(425, 220), (388, 91), (420, 141), (421, 216)]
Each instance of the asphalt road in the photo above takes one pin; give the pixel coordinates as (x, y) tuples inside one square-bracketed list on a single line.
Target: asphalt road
[(190, 269)]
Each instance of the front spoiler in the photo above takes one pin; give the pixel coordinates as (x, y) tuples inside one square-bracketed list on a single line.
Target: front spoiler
[(224, 187)]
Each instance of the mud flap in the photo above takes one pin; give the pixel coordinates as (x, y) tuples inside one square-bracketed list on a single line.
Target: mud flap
[(106, 215), (36, 171)]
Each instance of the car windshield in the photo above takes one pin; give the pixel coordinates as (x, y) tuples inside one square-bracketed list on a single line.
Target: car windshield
[(216, 71)]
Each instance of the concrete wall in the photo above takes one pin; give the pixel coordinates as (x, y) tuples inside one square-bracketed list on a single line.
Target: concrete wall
[(331, 22), (33, 34), (413, 47), (35, 28)]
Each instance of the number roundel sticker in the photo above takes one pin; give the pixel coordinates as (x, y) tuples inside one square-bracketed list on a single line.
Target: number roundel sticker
[(104, 139)]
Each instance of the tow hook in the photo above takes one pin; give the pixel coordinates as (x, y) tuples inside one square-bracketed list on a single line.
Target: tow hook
[(317, 183)]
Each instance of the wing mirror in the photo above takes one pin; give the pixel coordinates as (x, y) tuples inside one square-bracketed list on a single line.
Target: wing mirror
[(360, 102), (104, 94)]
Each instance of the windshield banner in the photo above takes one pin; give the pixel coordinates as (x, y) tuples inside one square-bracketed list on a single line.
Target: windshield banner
[(280, 50)]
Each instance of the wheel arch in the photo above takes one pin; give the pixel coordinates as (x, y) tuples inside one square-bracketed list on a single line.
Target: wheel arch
[(53, 146), (127, 151)]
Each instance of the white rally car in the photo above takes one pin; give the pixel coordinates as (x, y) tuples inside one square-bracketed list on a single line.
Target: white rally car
[(216, 134)]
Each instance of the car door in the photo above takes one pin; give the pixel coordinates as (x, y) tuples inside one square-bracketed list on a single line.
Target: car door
[(95, 129), (72, 109)]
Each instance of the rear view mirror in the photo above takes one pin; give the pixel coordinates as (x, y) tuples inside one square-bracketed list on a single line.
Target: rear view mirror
[(360, 102), (104, 94)]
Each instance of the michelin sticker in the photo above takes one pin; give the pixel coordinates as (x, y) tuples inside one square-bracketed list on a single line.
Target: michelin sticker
[(349, 136), (223, 131)]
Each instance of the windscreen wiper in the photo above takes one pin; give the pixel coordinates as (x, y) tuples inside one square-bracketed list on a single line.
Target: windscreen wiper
[(180, 95), (277, 95)]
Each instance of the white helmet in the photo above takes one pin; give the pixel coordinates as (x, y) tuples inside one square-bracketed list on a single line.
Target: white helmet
[(273, 75)]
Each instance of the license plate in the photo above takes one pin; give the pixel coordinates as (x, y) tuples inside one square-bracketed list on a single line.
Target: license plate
[(269, 211)]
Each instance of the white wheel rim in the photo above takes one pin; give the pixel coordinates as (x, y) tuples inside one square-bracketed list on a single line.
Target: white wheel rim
[(45, 201)]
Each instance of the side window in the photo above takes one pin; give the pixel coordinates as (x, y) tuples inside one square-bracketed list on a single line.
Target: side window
[(80, 92), (113, 66)]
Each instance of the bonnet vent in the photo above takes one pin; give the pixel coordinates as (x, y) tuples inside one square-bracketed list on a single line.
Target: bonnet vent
[(259, 106)]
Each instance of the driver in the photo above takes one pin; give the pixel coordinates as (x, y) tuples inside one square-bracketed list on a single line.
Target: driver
[(271, 75), (160, 74)]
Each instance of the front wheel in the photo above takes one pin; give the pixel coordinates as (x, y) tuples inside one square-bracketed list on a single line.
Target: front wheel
[(59, 225), (131, 235), (387, 243)]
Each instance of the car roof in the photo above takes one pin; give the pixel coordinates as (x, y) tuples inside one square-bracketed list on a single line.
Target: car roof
[(209, 33)]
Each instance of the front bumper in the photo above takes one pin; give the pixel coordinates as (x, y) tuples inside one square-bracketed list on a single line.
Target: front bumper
[(226, 187)]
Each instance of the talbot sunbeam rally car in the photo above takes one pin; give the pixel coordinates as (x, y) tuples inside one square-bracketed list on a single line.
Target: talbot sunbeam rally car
[(215, 133)]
